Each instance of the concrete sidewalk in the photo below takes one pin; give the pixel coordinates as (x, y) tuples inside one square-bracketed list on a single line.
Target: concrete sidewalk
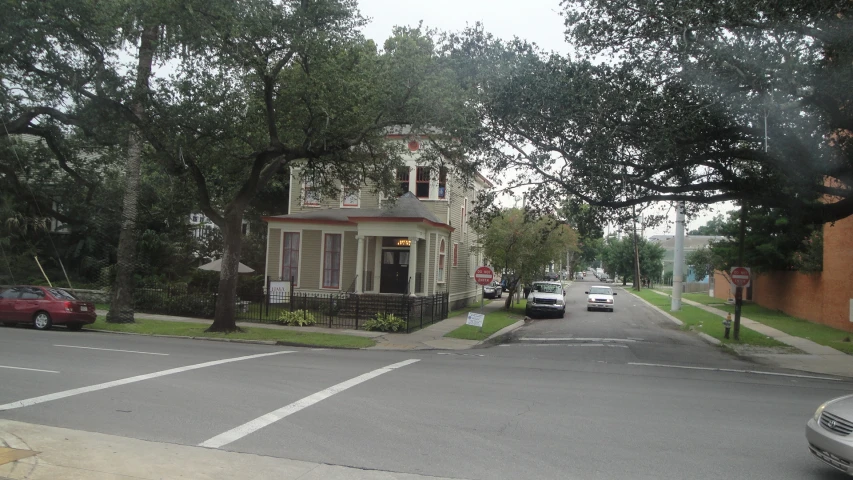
[(817, 358), (36, 452), (427, 338), (432, 337)]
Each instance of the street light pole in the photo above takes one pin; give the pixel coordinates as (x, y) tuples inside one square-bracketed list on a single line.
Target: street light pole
[(678, 260)]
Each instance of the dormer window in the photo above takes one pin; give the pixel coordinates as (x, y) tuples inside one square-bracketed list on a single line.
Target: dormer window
[(442, 182), (403, 179), (422, 182)]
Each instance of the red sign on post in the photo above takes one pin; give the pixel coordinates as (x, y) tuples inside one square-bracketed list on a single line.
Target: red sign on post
[(484, 275), (740, 276)]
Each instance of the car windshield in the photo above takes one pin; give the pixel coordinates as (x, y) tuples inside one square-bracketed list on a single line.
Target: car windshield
[(546, 288), (600, 291), (60, 294)]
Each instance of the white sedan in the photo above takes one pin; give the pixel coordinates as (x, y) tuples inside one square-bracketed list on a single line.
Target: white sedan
[(600, 297)]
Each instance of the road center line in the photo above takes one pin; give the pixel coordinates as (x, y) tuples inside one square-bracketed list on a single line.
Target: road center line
[(252, 426), (111, 350), (28, 369), (734, 370), (124, 381)]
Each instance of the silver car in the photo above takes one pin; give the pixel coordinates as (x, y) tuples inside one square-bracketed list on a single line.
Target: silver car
[(547, 298), (830, 433)]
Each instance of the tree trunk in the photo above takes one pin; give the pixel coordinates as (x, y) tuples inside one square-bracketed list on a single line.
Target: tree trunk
[(121, 297), (739, 290), (637, 283), (232, 238)]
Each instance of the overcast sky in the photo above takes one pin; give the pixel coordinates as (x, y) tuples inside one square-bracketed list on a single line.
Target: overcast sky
[(538, 21)]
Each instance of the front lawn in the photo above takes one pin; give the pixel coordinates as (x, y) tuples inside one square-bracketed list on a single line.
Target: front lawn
[(493, 322), (187, 329), (695, 318), (797, 327)]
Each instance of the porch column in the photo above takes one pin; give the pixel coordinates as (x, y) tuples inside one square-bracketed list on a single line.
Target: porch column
[(413, 264), (359, 265)]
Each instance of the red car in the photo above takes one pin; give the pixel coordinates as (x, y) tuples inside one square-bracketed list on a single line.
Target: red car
[(44, 307)]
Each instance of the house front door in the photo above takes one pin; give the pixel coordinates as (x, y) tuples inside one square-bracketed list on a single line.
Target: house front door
[(395, 271)]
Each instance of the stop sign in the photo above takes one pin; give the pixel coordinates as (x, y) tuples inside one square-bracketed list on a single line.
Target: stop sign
[(740, 276), (484, 275)]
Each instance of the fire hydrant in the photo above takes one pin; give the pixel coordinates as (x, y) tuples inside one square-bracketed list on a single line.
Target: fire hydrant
[(727, 323)]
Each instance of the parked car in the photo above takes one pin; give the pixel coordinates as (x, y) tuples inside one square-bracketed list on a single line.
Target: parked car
[(830, 433), (495, 290), (551, 276), (547, 298), (44, 307), (600, 297)]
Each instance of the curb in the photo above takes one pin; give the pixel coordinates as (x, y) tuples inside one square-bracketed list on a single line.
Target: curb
[(501, 336), (709, 339), (666, 315), (282, 343)]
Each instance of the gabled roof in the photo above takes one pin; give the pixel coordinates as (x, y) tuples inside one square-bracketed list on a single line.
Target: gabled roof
[(407, 208)]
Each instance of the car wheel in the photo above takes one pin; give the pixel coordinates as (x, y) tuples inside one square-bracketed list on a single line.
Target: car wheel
[(74, 327), (563, 313), (610, 310), (42, 321)]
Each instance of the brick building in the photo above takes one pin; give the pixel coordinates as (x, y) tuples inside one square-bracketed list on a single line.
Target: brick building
[(825, 297)]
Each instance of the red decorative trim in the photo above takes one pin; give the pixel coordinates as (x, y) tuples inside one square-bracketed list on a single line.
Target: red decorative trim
[(308, 220), (402, 219)]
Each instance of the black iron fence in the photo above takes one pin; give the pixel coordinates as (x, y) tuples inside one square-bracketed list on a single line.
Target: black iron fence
[(337, 310)]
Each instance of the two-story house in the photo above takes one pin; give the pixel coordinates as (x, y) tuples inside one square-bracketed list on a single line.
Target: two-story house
[(419, 245)]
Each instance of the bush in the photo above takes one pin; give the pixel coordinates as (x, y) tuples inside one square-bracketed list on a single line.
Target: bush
[(297, 318), (385, 322)]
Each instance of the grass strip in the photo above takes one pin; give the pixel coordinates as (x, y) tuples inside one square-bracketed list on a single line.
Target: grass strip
[(494, 322), (797, 327), (699, 320), (187, 329)]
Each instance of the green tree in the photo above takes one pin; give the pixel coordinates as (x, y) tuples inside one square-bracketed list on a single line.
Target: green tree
[(258, 85), (618, 256), (713, 226), (681, 113), (523, 246)]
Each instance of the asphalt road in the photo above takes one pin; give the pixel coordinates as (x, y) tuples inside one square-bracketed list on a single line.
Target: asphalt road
[(590, 396)]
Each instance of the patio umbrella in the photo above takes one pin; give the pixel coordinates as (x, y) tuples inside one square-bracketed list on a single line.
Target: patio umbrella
[(216, 266)]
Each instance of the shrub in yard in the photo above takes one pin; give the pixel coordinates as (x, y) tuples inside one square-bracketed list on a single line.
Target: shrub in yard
[(385, 322), (297, 318)]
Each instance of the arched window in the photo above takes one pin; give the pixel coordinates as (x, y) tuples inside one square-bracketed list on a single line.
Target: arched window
[(442, 253)]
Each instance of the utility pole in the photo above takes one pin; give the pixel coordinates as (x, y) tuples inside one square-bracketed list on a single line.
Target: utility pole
[(678, 259), (637, 282), (740, 255)]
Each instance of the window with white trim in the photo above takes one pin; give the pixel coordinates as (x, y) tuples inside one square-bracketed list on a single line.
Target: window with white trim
[(310, 196), (290, 258), (332, 261), (350, 198), (455, 254), (441, 260)]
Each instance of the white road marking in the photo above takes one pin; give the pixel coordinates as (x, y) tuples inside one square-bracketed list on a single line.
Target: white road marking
[(124, 381), (735, 370), (607, 345), (111, 350), (28, 369), (252, 426), (574, 339)]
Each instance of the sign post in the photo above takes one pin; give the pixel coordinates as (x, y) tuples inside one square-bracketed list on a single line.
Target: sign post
[(483, 276), (741, 277)]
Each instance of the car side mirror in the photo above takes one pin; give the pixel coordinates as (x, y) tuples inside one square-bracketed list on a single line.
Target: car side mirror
[(614, 293), (586, 293)]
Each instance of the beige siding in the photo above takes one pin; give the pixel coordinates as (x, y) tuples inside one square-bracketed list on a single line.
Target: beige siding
[(421, 265), (369, 261), (368, 198), (438, 208), (273, 252), (430, 277), (348, 260), (312, 254)]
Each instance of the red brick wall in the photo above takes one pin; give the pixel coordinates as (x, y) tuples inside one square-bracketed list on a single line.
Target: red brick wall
[(822, 297)]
